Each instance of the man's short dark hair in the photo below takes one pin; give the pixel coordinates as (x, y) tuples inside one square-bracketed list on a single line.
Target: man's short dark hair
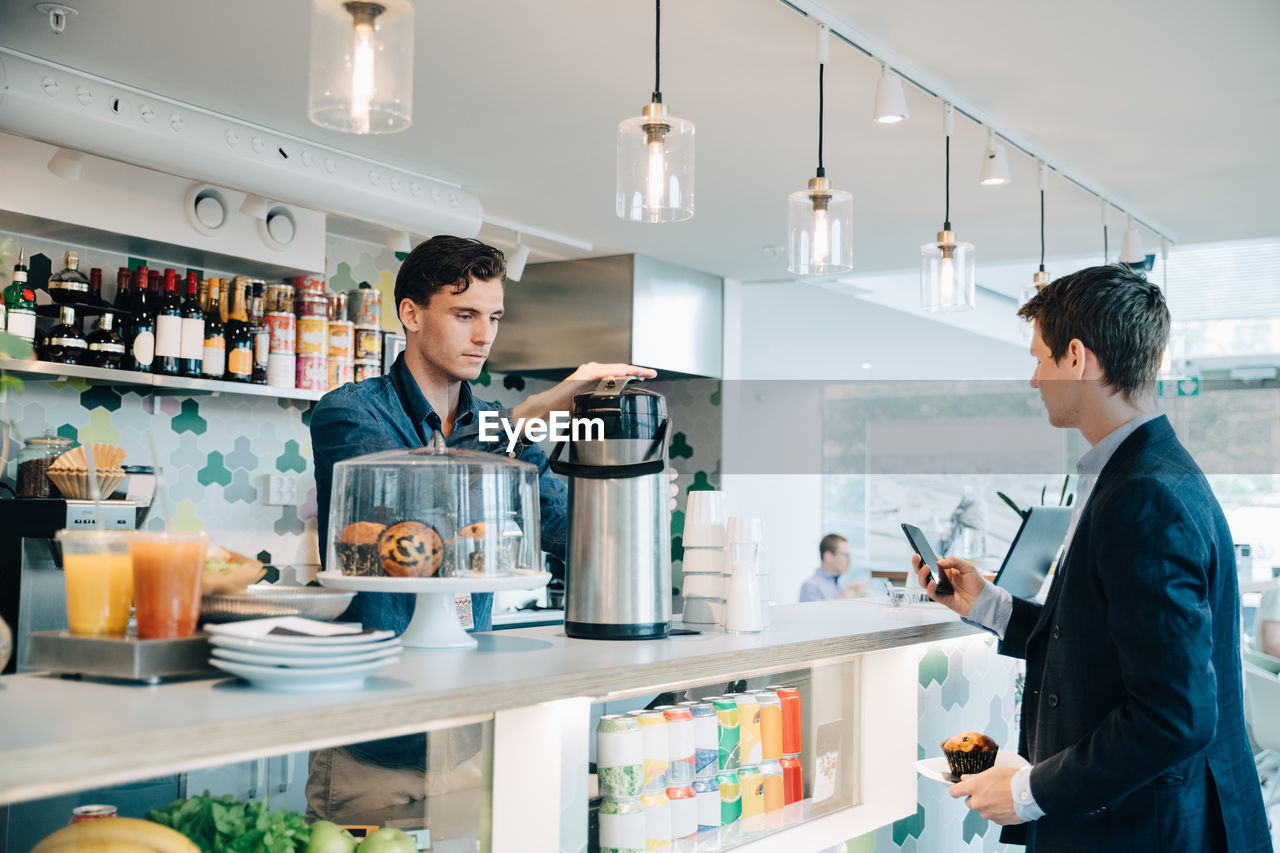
[(829, 542), (445, 261), (1115, 312)]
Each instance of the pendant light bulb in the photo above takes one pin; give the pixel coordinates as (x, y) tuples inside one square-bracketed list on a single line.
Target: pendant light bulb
[(947, 265), (995, 164), (891, 103), (361, 78)]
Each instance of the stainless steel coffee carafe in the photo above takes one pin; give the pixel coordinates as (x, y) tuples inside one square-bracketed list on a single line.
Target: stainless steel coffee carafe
[(619, 557)]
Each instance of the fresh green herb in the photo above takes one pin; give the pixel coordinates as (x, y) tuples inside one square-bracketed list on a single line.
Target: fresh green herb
[(227, 825)]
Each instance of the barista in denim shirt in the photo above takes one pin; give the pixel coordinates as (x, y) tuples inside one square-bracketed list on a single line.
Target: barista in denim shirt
[(449, 298)]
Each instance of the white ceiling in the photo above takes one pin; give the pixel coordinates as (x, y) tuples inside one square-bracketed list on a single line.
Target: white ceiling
[(1170, 106)]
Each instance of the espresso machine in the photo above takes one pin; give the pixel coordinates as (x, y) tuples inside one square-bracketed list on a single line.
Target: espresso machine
[(618, 573)]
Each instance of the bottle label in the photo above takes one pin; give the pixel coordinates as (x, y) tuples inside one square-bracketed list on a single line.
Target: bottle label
[(168, 336), (77, 286), (107, 346), (261, 346), (22, 323), (215, 357), (192, 345), (240, 361), (73, 343), (144, 348)]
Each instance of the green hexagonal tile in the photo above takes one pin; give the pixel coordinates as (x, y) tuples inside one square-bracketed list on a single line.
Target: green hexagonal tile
[(189, 420), (680, 448), (909, 827), (933, 666), (99, 428), (68, 431), (974, 826), (291, 459), (214, 471), (701, 482)]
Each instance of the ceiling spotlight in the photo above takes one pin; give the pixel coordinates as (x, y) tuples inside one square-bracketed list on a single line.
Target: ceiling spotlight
[(254, 206), (517, 259), (995, 163), (398, 241), (891, 103), (1131, 251), (66, 164)]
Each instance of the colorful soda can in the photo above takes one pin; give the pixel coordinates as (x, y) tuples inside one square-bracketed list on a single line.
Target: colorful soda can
[(727, 730), (657, 820), (707, 794), (82, 813), (770, 725), (684, 813), (653, 729), (752, 782), (789, 697), (749, 726), (680, 770), (620, 756), (730, 797), (774, 793), (622, 825), (706, 739), (792, 779)]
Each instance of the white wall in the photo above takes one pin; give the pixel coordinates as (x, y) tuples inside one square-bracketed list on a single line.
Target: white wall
[(800, 331)]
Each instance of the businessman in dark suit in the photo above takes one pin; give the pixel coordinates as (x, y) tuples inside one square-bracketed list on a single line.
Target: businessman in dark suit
[(1132, 714)]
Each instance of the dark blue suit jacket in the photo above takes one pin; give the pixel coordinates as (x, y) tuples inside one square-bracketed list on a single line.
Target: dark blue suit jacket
[(1133, 713)]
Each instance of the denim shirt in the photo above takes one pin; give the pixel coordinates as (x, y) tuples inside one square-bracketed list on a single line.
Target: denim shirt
[(389, 413)]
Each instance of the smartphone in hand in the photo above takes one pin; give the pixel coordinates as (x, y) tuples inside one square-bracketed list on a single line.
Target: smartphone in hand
[(920, 543)]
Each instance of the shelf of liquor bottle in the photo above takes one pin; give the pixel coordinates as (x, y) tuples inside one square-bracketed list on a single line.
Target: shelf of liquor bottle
[(160, 384)]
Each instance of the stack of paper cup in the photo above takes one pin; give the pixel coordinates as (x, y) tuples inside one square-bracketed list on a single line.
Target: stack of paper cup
[(743, 528), (704, 586)]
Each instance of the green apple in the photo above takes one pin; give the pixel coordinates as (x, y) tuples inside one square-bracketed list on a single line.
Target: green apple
[(388, 840), (328, 837)]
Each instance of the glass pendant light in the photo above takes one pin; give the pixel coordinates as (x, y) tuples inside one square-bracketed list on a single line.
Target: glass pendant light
[(361, 65), (947, 267), (819, 218), (655, 156)]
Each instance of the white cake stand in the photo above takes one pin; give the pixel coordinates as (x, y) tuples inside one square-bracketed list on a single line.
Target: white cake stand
[(435, 615)]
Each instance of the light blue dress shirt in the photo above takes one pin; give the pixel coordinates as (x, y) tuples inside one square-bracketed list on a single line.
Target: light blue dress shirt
[(994, 606)]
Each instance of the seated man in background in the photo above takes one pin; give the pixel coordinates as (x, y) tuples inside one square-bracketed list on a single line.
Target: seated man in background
[(834, 552), (1266, 625)]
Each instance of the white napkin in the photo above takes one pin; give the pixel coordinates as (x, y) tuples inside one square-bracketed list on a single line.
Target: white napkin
[(285, 625)]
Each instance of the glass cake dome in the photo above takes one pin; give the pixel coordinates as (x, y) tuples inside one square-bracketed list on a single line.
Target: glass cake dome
[(434, 512)]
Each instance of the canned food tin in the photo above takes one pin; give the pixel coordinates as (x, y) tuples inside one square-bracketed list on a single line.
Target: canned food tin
[(792, 779), (621, 825), (789, 697), (341, 339), (749, 730), (367, 370), (313, 336), (368, 342), (82, 813), (684, 812), (752, 781), (312, 373), (727, 725), (364, 306), (653, 726), (306, 284), (279, 298), (707, 796), (620, 756), (770, 725), (680, 740), (337, 306), (341, 371), (311, 305), (706, 746), (730, 797), (282, 369), (657, 820), (284, 331)]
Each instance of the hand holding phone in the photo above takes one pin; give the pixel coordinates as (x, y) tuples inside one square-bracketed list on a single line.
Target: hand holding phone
[(920, 544)]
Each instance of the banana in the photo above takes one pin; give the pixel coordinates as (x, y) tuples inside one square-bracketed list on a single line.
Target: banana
[(127, 834)]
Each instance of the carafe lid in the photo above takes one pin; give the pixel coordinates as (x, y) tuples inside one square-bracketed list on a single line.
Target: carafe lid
[(627, 411)]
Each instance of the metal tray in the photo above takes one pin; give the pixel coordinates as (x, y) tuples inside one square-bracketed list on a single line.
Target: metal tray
[(119, 657), (263, 600)]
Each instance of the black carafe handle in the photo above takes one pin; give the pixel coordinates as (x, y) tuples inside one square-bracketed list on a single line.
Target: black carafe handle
[(615, 472)]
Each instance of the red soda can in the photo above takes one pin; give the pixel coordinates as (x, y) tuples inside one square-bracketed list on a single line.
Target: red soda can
[(83, 813), (792, 779), (789, 697)]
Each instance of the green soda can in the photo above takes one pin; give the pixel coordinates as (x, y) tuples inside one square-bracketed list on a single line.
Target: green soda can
[(728, 719), (730, 797), (620, 756), (622, 825)]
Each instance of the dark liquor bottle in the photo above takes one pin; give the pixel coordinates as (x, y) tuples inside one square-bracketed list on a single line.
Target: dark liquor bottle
[(95, 283), (106, 347), (153, 287), (20, 303), (63, 343), (261, 334), (142, 340), (70, 285), (123, 304), (169, 327), (214, 356), (239, 338), (191, 352)]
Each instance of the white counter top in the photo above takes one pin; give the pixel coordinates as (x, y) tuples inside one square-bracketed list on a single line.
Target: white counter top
[(59, 735)]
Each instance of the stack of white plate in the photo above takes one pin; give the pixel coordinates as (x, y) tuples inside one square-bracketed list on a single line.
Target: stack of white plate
[(299, 662)]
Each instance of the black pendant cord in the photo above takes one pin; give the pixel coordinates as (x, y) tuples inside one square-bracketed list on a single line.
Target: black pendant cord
[(822, 173), (1106, 250), (947, 218), (1041, 230), (657, 51)]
